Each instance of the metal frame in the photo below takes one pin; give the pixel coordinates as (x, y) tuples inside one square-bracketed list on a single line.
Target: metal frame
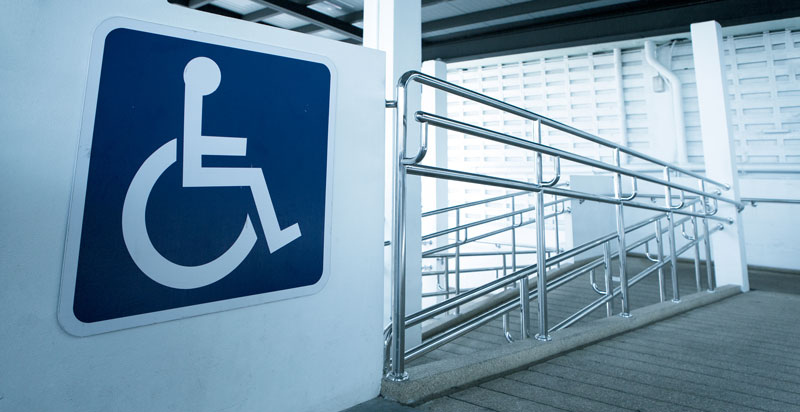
[(397, 354)]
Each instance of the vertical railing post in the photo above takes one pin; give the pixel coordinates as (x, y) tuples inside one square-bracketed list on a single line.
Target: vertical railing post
[(541, 247), (673, 270), (608, 279), (555, 217), (458, 257), (447, 277), (506, 324), (662, 288), (696, 241), (707, 240), (398, 372), (514, 236), (623, 254)]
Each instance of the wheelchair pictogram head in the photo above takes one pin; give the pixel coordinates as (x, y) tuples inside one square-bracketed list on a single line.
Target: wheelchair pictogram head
[(202, 75)]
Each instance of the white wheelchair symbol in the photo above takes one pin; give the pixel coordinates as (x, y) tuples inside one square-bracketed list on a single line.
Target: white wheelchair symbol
[(201, 77)]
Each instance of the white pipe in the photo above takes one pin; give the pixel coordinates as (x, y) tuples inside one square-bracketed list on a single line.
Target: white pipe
[(677, 99), (623, 121)]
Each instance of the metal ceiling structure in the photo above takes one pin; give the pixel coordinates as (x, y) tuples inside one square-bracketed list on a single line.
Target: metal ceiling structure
[(454, 30)]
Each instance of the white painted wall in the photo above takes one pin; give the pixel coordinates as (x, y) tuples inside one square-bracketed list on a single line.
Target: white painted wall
[(591, 220), (770, 230), (319, 352)]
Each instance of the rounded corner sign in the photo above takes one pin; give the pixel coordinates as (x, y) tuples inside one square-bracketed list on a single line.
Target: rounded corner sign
[(203, 178)]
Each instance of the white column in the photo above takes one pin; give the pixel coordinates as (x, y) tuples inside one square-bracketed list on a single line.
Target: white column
[(394, 26), (718, 149)]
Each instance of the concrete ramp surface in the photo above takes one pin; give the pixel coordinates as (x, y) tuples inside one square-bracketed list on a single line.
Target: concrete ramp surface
[(737, 354)]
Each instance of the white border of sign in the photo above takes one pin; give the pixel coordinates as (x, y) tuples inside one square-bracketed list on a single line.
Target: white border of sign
[(66, 316)]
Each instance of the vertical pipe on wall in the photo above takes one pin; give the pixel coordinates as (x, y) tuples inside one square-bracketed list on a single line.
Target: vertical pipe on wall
[(621, 112), (677, 100)]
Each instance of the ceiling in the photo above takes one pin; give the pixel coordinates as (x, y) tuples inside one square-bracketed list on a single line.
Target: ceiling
[(454, 30)]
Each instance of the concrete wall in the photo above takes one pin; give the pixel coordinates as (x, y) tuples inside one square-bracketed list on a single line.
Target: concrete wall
[(770, 230), (319, 352)]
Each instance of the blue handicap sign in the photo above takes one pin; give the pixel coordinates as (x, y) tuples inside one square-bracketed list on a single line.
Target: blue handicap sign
[(206, 183)]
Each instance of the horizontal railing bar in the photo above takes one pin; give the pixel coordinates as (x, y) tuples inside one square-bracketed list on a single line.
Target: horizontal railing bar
[(477, 223), (462, 329), (459, 330), (647, 271), (457, 126), (470, 204), (446, 305), (491, 219), (429, 253), (492, 253), (500, 105), (467, 177), (599, 261), (470, 270), (484, 201), (485, 289), (770, 200)]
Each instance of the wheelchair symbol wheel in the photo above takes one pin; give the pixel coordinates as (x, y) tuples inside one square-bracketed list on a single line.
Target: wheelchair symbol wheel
[(145, 255), (201, 77)]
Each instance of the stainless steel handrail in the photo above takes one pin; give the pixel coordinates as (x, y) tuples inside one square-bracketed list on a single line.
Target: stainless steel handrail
[(404, 165), (485, 289), (436, 83), (467, 177), (430, 252), (754, 200), (477, 203), (492, 313), (488, 219), (455, 125)]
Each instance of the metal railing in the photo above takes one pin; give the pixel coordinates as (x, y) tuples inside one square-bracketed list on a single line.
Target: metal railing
[(463, 238), (686, 210)]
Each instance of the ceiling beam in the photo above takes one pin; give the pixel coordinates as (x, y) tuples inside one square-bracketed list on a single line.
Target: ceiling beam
[(210, 8), (485, 16), (637, 20), (351, 18), (260, 14), (196, 4), (356, 17), (265, 12), (315, 17)]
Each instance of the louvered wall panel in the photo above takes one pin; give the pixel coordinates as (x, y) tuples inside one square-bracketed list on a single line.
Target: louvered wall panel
[(583, 90)]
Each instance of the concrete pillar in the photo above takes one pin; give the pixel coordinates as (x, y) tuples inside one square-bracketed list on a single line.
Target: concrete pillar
[(394, 26), (719, 150)]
